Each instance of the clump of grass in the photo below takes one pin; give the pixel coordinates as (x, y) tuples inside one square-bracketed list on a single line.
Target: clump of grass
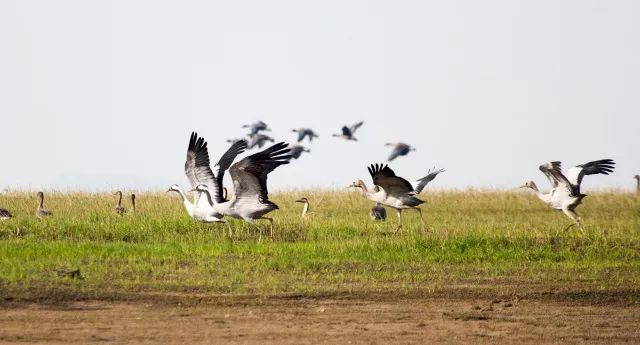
[(491, 240)]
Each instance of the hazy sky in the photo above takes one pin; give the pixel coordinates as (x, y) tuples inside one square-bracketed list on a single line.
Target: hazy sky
[(101, 94)]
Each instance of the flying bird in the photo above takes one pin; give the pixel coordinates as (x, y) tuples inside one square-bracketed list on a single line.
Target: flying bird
[(254, 128), (394, 191), (347, 132), (198, 171), (296, 151), (399, 149), (119, 209), (258, 140), (250, 201), (565, 192), (305, 132), (41, 211)]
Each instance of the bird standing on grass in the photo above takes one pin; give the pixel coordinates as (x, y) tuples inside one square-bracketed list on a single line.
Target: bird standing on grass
[(399, 149), (5, 214), (42, 212), (347, 132), (305, 208), (305, 132), (198, 171), (119, 209), (250, 201), (133, 202), (394, 191), (637, 177), (565, 192)]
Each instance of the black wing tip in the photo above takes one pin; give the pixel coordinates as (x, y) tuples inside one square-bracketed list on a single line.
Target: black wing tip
[(376, 168)]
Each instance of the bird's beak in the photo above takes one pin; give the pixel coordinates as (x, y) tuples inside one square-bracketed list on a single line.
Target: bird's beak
[(299, 201), (168, 190), (524, 186), (192, 190)]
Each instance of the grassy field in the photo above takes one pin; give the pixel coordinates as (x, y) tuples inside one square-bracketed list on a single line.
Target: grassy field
[(473, 243)]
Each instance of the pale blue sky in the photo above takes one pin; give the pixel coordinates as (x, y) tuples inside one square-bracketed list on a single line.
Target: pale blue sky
[(101, 94)]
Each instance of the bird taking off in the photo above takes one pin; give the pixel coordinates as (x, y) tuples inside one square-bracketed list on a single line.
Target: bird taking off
[(347, 132), (394, 191), (305, 132), (399, 149), (254, 128), (565, 192)]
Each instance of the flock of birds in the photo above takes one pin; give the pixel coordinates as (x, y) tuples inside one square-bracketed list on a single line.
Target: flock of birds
[(250, 200)]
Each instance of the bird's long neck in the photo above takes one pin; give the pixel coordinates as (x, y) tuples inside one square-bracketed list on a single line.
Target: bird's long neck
[(119, 204), (41, 204), (208, 196), (133, 202), (305, 209), (638, 184), (185, 200)]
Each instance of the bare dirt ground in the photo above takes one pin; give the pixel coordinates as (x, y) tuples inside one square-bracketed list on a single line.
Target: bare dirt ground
[(321, 321)]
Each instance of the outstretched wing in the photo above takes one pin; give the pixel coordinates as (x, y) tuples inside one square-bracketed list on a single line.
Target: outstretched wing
[(223, 164), (250, 174), (423, 182), (196, 167), (577, 173), (384, 177), (548, 170), (355, 127)]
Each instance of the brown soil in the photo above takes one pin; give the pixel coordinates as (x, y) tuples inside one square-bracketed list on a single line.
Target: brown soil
[(322, 321)]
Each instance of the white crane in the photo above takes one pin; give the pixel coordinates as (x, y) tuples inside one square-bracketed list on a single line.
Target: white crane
[(42, 212), (198, 171), (5, 214), (305, 132), (565, 192), (119, 209), (347, 132), (394, 191), (399, 149), (250, 201)]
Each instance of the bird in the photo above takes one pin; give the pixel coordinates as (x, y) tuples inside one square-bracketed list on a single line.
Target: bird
[(133, 202), (5, 214), (119, 209), (394, 191), (637, 177), (250, 201), (305, 208), (198, 171), (565, 192), (378, 212), (258, 140), (399, 149), (254, 128), (305, 132), (296, 151), (347, 132), (42, 212)]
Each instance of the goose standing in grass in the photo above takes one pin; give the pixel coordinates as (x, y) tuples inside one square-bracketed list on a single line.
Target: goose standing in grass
[(133, 202), (198, 171), (637, 177), (5, 214), (250, 201), (305, 132), (42, 212), (378, 212), (305, 208), (399, 149), (254, 128), (347, 132), (258, 140), (296, 151), (565, 192), (394, 191), (119, 209)]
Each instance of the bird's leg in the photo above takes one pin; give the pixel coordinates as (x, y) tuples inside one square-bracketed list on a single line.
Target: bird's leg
[(270, 225), (399, 212), (576, 219), (228, 226), (421, 217)]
